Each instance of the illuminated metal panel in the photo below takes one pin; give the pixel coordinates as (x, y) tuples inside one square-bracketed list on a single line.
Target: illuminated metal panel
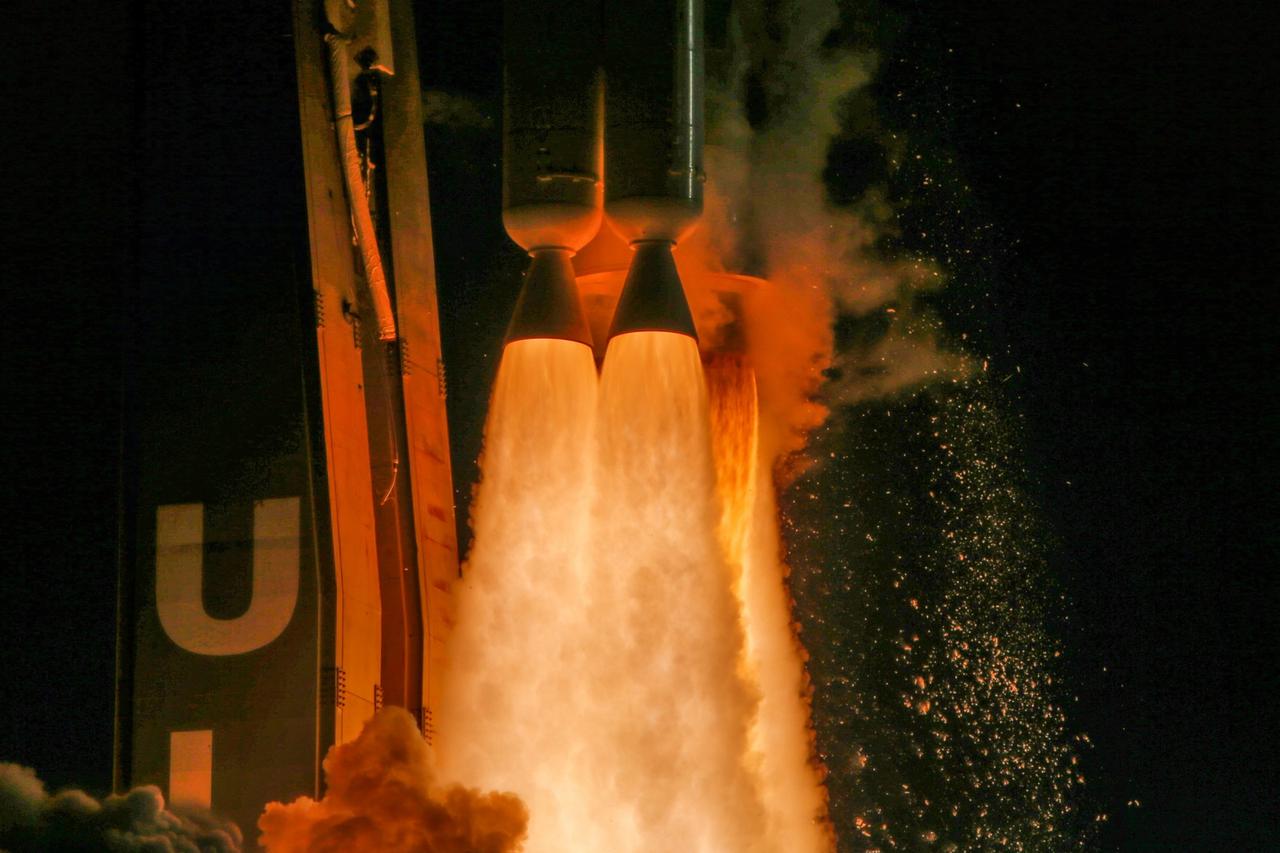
[(413, 258), (191, 768), (353, 645)]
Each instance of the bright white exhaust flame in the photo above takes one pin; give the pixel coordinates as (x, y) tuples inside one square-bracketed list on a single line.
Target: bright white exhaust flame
[(516, 694), (781, 735), (623, 658)]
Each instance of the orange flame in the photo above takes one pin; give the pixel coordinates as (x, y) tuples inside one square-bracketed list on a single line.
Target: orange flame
[(623, 620)]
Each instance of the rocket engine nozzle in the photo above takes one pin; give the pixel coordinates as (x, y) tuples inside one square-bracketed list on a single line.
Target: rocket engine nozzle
[(652, 297), (549, 305), (551, 157), (653, 147)]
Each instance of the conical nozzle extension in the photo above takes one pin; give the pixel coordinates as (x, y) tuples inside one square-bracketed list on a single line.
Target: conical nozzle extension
[(652, 298), (549, 306)]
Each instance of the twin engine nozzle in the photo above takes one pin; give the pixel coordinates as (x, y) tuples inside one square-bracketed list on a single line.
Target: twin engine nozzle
[(630, 96), (549, 305)]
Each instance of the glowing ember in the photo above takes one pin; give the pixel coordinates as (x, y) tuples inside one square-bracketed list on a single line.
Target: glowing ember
[(622, 626), (920, 570)]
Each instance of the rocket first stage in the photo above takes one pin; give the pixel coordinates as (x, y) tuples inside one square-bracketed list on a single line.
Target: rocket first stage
[(648, 59)]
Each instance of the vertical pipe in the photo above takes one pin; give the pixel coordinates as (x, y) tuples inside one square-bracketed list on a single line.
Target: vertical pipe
[(366, 235)]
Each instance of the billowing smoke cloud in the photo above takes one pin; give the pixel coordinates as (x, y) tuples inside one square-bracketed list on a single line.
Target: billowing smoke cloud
[(32, 820), (775, 105), (383, 798)]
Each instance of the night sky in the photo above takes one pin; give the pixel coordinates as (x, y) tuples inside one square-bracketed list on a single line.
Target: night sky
[(1105, 194)]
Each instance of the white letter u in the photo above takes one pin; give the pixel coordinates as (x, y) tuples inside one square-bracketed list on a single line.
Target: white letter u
[(179, 581)]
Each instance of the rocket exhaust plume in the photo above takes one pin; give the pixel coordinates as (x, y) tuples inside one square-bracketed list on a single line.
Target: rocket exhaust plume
[(680, 708), (514, 698), (597, 665), (616, 620), (781, 736), (623, 631)]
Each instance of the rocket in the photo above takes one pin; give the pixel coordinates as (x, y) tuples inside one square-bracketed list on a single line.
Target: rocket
[(288, 536), (552, 166), (602, 123)]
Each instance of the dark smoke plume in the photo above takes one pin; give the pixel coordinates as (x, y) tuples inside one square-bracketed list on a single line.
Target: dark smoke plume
[(31, 820), (383, 798)]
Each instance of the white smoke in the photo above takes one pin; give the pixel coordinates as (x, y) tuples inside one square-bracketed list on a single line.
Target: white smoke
[(769, 212), (34, 821)]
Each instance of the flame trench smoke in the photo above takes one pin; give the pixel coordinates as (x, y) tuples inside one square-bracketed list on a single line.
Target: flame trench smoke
[(33, 821), (610, 661), (382, 797)]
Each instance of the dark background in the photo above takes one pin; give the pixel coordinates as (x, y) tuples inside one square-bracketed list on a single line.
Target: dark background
[(1117, 160)]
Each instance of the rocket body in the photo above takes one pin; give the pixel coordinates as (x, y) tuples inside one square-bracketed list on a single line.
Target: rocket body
[(649, 56)]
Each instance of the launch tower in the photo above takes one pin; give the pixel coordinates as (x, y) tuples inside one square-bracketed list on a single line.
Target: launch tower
[(287, 527)]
